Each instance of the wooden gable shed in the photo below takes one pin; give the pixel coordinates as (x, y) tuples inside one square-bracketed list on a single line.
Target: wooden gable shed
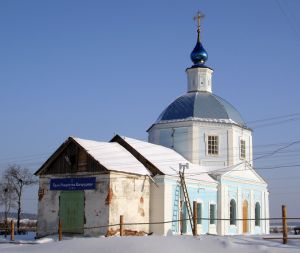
[(87, 185)]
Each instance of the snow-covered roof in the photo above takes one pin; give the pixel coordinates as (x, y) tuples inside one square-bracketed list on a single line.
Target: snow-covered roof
[(167, 160), (112, 156)]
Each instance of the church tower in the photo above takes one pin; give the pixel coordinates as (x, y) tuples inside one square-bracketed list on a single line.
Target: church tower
[(201, 126)]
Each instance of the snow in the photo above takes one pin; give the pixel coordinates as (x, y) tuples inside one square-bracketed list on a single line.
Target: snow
[(153, 244), (116, 158), (167, 160), (113, 156), (226, 121)]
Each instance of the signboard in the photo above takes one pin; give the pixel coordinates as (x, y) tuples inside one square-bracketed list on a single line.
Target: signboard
[(73, 184)]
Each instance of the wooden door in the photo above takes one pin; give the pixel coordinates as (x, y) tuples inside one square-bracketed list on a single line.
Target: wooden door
[(245, 216), (71, 211)]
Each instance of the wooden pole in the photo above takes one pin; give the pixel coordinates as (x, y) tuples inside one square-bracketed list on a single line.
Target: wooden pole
[(121, 225), (59, 230), (284, 226), (195, 219), (12, 230), (181, 218)]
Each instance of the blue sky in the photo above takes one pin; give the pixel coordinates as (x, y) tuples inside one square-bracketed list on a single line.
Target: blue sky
[(94, 68)]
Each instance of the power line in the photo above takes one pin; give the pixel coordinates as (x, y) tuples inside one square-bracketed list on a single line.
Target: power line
[(29, 157), (150, 147), (288, 19), (275, 117), (277, 150), (275, 123)]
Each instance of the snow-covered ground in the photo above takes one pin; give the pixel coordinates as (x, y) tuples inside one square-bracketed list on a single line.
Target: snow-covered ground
[(153, 244)]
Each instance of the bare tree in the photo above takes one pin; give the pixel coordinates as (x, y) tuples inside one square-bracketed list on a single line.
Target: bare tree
[(8, 199), (18, 178)]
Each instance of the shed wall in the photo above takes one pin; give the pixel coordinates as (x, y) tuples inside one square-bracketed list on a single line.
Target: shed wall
[(129, 195)]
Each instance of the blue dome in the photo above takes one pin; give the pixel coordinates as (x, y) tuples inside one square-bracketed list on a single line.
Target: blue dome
[(199, 55), (201, 105)]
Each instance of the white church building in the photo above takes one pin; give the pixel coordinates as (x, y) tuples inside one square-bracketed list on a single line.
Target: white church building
[(89, 184)]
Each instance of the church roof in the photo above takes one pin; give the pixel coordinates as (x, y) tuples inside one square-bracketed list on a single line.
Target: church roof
[(166, 160), (203, 106)]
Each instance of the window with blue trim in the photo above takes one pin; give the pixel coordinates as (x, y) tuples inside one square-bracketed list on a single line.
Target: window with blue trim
[(232, 212), (199, 213), (212, 214), (257, 214)]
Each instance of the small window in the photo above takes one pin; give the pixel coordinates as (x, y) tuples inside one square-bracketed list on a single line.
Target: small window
[(199, 213), (243, 149), (212, 213), (213, 145), (257, 214), (232, 212)]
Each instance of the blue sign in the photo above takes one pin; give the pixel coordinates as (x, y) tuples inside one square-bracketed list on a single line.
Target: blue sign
[(71, 184)]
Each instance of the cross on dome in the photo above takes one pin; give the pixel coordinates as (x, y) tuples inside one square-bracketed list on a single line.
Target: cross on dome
[(198, 17), (199, 55)]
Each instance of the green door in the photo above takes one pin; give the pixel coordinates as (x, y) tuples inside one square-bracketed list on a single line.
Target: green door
[(71, 211)]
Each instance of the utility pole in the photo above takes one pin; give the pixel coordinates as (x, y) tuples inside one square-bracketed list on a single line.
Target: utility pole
[(182, 168)]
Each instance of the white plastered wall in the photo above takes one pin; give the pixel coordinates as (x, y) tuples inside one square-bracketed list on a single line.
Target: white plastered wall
[(48, 209), (95, 209), (157, 205), (130, 197), (115, 194)]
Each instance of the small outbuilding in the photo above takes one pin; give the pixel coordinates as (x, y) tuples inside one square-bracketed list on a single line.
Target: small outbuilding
[(88, 185)]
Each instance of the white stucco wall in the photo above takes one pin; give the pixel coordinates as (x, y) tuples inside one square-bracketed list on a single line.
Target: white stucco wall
[(115, 194), (241, 186), (95, 209), (47, 209), (130, 197), (199, 79), (157, 208), (194, 148)]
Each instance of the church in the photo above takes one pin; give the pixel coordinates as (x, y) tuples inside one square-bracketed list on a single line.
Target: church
[(87, 185)]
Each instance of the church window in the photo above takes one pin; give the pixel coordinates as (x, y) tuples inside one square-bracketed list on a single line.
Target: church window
[(243, 149), (212, 214), (213, 145), (257, 214), (232, 212), (199, 213)]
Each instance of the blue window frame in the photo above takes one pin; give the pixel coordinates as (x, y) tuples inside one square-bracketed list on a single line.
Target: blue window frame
[(257, 214), (232, 212), (212, 214), (199, 213)]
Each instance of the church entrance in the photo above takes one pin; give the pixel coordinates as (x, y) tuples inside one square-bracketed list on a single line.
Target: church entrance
[(245, 216)]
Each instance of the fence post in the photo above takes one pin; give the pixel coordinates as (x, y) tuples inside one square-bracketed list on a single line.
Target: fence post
[(12, 230), (59, 230), (195, 219), (121, 225), (284, 226)]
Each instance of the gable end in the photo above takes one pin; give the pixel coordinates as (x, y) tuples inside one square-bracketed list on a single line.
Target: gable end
[(70, 158)]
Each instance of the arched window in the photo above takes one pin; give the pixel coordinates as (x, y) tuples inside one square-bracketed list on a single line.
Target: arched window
[(232, 212), (257, 214)]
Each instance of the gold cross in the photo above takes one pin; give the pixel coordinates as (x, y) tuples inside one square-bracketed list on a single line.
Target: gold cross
[(198, 17)]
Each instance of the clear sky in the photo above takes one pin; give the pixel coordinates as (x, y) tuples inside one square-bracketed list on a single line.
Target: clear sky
[(94, 68)]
